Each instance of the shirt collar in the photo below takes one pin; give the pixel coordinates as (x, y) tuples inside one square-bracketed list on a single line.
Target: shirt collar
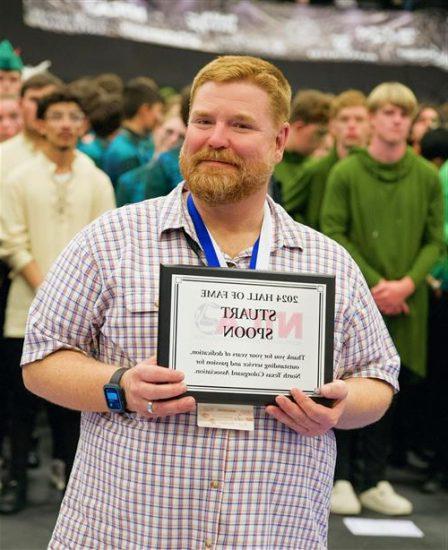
[(175, 216)]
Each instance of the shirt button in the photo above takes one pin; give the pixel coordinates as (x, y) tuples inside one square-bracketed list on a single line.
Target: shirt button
[(209, 543), (214, 484)]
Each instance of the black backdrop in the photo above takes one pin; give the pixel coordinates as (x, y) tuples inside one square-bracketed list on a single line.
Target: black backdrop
[(76, 55)]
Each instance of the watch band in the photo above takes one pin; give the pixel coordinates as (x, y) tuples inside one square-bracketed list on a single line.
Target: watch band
[(116, 377)]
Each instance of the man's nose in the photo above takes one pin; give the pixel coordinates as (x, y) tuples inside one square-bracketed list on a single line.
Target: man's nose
[(219, 137)]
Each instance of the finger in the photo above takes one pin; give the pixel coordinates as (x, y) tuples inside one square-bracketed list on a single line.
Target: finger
[(294, 411), (157, 374), (153, 392), (334, 390), (173, 406), (282, 417), (317, 414)]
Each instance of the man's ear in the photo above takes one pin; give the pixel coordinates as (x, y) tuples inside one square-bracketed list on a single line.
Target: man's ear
[(280, 141)]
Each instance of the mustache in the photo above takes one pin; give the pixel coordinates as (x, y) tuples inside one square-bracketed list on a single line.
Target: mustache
[(216, 156)]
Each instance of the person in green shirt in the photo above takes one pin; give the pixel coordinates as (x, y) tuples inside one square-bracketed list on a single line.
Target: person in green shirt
[(308, 125), (384, 205), (350, 126)]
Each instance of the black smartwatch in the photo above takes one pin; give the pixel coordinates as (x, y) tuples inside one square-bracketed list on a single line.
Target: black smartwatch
[(114, 393)]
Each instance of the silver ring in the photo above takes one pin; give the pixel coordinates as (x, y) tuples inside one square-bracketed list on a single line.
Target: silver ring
[(149, 407)]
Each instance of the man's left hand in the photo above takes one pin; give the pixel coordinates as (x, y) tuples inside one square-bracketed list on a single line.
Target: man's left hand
[(307, 417)]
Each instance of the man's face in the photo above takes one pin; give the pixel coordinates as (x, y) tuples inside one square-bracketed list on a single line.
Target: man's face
[(232, 142), (63, 125), (428, 118), (29, 106), (306, 138), (169, 133), (351, 126), (10, 118), (152, 115), (390, 124), (10, 82)]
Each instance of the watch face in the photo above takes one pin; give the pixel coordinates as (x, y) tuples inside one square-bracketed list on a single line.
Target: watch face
[(113, 399)]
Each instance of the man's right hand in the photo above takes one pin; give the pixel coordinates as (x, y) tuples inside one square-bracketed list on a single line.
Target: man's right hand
[(149, 383)]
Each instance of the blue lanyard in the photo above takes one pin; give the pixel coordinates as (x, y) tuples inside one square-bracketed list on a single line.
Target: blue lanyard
[(206, 241)]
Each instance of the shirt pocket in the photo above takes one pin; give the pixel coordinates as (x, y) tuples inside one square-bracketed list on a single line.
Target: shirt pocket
[(132, 324)]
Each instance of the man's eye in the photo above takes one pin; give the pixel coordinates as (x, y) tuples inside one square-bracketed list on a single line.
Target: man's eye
[(202, 121), (242, 125)]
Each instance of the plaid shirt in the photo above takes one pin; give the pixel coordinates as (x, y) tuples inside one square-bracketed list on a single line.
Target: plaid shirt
[(166, 483)]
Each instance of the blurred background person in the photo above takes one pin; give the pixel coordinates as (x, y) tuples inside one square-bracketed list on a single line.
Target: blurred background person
[(427, 117), (10, 117), (134, 146), (105, 116), (308, 125), (434, 147), (11, 67), (161, 175), (47, 200), (350, 127), (384, 205)]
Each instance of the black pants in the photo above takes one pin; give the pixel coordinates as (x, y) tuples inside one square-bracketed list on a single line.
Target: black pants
[(363, 454), (64, 423), (436, 403)]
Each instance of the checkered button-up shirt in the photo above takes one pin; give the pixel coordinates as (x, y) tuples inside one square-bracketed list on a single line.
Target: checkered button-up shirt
[(166, 483)]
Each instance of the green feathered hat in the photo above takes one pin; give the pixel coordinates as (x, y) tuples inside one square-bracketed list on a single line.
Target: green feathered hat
[(9, 60)]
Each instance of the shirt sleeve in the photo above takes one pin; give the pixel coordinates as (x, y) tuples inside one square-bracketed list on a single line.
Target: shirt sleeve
[(16, 246), (104, 198), (367, 350), (63, 314)]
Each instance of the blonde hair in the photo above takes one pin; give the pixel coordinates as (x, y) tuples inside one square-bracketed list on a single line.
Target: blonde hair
[(392, 92), (265, 75), (349, 98)]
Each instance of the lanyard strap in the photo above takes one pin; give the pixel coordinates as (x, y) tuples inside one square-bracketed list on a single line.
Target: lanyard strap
[(260, 251)]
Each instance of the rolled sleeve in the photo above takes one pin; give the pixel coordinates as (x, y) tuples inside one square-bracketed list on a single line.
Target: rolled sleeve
[(62, 313)]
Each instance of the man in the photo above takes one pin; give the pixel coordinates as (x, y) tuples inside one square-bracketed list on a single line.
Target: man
[(105, 120), (47, 200), (153, 474), (350, 126), (10, 117), (434, 147), (25, 145), (133, 146), (384, 204), (308, 126), (427, 117), (11, 67), (161, 175)]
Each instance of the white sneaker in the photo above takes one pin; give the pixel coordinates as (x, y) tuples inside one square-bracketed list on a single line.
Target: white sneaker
[(343, 499), (384, 499), (57, 474)]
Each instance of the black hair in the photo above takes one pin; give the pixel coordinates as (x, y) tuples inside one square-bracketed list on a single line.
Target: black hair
[(138, 92), (60, 95), (434, 144), (38, 81)]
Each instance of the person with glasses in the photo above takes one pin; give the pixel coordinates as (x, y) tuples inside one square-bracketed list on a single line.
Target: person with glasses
[(47, 200)]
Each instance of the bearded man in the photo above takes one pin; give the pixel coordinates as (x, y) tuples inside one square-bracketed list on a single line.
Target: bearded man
[(150, 475)]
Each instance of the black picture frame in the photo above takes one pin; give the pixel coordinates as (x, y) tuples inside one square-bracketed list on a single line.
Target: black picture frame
[(167, 272)]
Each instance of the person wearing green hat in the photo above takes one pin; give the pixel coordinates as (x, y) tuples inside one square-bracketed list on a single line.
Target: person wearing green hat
[(11, 66)]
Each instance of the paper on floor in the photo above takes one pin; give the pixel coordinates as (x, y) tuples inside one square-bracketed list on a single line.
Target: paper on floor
[(382, 527)]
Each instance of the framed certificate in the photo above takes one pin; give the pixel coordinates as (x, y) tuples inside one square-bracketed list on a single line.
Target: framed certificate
[(245, 336)]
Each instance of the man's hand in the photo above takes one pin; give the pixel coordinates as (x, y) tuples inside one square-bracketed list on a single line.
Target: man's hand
[(147, 382), (390, 296), (305, 416)]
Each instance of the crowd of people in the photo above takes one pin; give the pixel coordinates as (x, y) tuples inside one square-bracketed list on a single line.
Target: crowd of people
[(370, 172)]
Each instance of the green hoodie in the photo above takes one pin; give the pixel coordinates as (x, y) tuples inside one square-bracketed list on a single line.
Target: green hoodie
[(390, 218)]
